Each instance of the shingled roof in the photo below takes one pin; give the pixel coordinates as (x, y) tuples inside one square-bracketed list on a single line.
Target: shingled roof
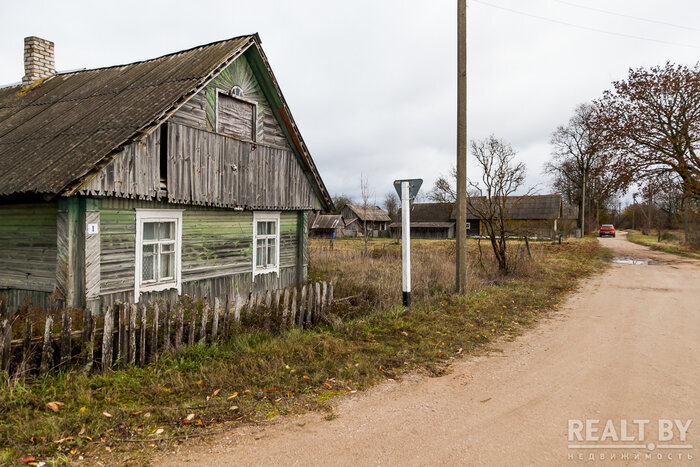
[(60, 132), (521, 207), (369, 213)]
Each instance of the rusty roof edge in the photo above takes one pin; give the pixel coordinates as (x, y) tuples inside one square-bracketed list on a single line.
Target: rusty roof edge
[(294, 131), (76, 185)]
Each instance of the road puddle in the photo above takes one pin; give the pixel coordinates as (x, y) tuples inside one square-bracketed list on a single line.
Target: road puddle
[(637, 261)]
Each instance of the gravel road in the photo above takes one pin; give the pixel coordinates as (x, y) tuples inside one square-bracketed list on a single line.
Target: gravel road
[(625, 347)]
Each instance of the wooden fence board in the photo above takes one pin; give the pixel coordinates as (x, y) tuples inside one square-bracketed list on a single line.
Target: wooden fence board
[(142, 338), (205, 320), (107, 335), (154, 332), (215, 320), (47, 349), (66, 344), (132, 335), (179, 327)]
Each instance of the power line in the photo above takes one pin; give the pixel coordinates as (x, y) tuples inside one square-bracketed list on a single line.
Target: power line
[(622, 15), (587, 28)]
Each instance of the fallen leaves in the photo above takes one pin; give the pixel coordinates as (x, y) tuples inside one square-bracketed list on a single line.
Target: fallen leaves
[(216, 393), (235, 394), (27, 458), (54, 405), (159, 431), (107, 414)]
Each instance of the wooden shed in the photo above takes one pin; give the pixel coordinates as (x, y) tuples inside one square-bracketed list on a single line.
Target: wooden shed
[(181, 174), (365, 220), (428, 220), (327, 226)]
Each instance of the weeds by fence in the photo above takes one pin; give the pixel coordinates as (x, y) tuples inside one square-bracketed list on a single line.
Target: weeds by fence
[(136, 334)]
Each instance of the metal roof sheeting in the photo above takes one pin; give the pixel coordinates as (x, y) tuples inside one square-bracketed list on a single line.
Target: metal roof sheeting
[(327, 221), (369, 213)]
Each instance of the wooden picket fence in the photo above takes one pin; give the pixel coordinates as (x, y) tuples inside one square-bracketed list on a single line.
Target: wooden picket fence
[(131, 334)]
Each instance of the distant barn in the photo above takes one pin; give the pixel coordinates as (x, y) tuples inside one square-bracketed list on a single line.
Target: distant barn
[(327, 226), (372, 221)]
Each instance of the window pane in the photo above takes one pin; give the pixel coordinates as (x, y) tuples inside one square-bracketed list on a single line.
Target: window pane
[(148, 266), (166, 230), (260, 253), (271, 228), (149, 230), (261, 228), (167, 266), (167, 247), (271, 255)]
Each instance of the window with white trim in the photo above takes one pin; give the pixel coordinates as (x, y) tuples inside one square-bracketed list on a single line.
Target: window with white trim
[(158, 250), (266, 241)]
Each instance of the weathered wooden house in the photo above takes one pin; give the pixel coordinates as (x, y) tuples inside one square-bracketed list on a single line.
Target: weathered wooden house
[(181, 174), (327, 226), (365, 220), (428, 220)]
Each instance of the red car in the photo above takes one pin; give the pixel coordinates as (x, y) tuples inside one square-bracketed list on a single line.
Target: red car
[(606, 229)]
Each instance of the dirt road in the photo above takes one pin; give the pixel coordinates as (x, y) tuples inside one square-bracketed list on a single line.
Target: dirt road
[(625, 347)]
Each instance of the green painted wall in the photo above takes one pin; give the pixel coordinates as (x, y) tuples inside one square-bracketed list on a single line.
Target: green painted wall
[(216, 248), (28, 246)]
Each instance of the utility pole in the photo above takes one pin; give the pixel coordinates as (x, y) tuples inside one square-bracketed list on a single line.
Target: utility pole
[(461, 146)]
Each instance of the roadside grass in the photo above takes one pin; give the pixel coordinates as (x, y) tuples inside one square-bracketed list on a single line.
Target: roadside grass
[(670, 243), (256, 375)]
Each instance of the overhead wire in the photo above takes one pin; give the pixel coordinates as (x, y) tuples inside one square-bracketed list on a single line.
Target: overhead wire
[(623, 15), (587, 28)]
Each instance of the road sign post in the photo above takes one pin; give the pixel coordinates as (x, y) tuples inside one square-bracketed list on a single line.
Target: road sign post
[(407, 190)]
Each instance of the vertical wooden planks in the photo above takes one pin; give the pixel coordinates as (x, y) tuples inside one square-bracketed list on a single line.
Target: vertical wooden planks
[(215, 320), (330, 294), (193, 323), (285, 307), (154, 332), (121, 338), (89, 343), (226, 317), (47, 350), (310, 304), (132, 335), (324, 298), (276, 305), (107, 335)]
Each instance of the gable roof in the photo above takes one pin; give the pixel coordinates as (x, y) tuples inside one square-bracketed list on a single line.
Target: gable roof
[(431, 212), (369, 213), (520, 207), (327, 221), (56, 135)]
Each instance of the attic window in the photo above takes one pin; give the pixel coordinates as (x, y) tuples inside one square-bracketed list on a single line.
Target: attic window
[(236, 91), (235, 116)]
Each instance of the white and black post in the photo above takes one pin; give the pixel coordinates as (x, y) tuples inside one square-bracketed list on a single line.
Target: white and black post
[(407, 191), (406, 243)]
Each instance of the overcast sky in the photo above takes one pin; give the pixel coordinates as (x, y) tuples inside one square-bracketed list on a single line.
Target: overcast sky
[(372, 84)]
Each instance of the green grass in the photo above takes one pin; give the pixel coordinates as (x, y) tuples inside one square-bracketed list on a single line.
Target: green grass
[(364, 342), (670, 243)]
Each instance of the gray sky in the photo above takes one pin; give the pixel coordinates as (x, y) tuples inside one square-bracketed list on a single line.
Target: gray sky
[(372, 84)]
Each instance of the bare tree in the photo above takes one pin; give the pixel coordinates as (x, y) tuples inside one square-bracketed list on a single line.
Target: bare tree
[(502, 176), (583, 172), (365, 195), (340, 201), (445, 188), (391, 204)]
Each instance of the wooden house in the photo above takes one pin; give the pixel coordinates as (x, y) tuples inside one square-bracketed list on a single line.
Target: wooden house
[(365, 220), (327, 226), (428, 220), (184, 174)]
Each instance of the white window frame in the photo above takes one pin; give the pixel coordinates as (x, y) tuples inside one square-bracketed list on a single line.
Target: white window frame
[(157, 215), (266, 217)]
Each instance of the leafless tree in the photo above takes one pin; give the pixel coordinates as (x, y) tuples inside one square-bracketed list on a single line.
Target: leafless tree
[(445, 188), (391, 204), (502, 177), (340, 201), (365, 195)]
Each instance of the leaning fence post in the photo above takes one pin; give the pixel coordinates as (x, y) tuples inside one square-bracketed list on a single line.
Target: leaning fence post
[(310, 304), (179, 326), (89, 345), (302, 306), (324, 298), (237, 308), (317, 306), (47, 350), (107, 331), (121, 333), (205, 319), (142, 337), (154, 333), (293, 316), (215, 319), (166, 330), (66, 344), (285, 307), (27, 346), (132, 335)]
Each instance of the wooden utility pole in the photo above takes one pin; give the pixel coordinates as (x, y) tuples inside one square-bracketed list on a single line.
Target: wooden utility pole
[(461, 146)]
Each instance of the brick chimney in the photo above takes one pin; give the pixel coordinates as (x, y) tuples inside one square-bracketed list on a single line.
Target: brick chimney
[(38, 60)]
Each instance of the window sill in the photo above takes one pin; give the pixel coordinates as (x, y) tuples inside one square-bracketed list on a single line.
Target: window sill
[(260, 271), (157, 287)]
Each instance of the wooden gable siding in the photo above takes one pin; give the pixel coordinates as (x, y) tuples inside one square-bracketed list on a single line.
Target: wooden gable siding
[(235, 117), (200, 110), (28, 246), (210, 169), (134, 173), (215, 243)]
